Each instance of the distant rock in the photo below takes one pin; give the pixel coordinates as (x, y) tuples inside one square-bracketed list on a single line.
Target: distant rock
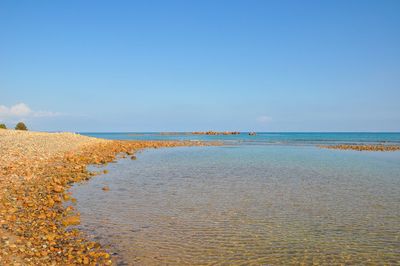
[(216, 132)]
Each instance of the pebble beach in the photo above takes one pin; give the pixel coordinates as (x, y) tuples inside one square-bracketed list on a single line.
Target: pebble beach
[(36, 170)]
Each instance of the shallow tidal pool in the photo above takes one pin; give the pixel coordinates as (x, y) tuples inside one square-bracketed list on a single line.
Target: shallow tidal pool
[(246, 204)]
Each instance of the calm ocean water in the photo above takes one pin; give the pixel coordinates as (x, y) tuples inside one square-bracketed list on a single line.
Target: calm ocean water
[(264, 138), (249, 203)]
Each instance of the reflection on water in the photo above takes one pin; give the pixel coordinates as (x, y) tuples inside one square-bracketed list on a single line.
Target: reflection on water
[(248, 205)]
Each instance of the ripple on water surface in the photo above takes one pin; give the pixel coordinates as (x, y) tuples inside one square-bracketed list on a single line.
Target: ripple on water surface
[(256, 205)]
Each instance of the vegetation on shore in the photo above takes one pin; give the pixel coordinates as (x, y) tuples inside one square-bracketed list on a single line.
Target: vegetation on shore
[(21, 126)]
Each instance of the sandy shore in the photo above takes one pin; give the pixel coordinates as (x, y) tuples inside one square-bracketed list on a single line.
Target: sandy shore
[(36, 169)]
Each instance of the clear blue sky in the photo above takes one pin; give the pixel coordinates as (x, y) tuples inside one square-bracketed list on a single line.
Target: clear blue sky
[(199, 65)]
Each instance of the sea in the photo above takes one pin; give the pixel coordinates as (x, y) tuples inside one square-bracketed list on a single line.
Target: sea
[(269, 199)]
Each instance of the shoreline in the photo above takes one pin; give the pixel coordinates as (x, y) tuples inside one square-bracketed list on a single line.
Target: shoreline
[(36, 170)]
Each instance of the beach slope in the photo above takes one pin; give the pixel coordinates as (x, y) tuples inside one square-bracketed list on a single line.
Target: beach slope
[(36, 210)]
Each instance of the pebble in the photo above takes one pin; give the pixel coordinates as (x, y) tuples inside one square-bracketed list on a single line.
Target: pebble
[(37, 169), (378, 147)]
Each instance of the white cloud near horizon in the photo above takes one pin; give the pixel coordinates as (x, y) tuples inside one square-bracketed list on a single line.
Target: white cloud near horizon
[(263, 119), (22, 110)]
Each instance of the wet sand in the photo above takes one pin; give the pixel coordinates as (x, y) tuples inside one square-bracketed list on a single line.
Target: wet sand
[(36, 169)]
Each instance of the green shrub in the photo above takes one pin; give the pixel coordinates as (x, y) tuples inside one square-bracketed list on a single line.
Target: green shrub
[(3, 126), (21, 126)]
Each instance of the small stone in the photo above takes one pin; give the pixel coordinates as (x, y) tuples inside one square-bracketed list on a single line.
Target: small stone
[(71, 220), (57, 189)]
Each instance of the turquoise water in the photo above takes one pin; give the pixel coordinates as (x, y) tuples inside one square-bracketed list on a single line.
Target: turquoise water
[(264, 138), (248, 204)]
